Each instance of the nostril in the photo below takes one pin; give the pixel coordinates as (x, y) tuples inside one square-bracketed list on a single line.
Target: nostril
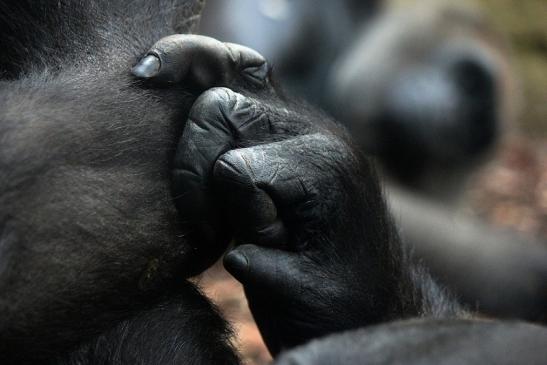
[(479, 102), (474, 77)]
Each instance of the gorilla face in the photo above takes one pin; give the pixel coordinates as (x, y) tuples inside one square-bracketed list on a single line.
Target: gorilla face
[(424, 90)]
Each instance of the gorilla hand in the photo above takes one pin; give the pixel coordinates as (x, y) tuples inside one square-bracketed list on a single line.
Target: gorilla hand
[(202, 63), (221, 120), (323, 254), (319, 255)]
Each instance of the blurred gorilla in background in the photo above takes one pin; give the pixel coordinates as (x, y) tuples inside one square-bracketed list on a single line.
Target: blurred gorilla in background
[(115, 188), (426, 88), (429, 92)]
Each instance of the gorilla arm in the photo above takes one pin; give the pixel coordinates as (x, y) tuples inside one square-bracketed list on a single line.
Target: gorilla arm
[(469, 256)]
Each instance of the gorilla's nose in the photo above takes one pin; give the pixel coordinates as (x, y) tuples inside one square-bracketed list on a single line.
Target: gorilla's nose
[(479, 101), (474, 77)]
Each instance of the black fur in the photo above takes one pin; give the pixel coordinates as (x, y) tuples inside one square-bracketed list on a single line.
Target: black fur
[(89, 234), (182, 328)]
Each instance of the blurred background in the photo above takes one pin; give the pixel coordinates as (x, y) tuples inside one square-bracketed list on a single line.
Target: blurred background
[(450, 98)]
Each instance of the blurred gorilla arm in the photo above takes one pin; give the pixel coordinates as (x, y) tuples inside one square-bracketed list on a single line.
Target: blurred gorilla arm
[(502, 273), (428, 342)]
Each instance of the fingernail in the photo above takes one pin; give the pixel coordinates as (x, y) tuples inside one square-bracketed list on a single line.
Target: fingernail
[(148, 67), (236, 263)]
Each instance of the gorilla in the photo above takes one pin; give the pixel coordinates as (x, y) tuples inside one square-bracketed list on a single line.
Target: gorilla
[(438, 86), (116, 188)]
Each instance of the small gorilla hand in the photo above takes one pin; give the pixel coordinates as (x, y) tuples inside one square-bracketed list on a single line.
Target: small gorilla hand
[(318, 249)]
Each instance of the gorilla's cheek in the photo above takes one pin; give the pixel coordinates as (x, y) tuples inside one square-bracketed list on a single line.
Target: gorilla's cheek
[(7, 241)]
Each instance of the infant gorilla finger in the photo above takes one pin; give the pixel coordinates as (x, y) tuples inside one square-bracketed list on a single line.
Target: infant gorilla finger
[(202, 63), (251, 210)]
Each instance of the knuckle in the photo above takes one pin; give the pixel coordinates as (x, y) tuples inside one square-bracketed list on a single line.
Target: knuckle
[(213, 104), (215, 97), (331, 149), (168, 43)]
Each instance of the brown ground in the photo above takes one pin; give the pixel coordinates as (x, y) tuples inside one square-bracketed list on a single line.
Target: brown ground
[(227, 293), (512, 191)]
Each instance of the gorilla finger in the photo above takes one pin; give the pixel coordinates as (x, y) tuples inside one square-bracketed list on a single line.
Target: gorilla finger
[(252, 210), (297, 181), (281, 169), (218, 119), (262, 268), (265, 188), (202, 62)]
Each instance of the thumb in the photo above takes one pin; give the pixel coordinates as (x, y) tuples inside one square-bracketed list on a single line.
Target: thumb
[(262, 268)]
